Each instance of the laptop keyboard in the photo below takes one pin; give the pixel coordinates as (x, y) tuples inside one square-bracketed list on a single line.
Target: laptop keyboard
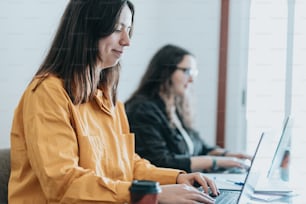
[(228, 197)]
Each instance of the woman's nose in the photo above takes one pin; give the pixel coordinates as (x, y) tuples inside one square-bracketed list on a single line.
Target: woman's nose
[(125, 39), (190, 79)]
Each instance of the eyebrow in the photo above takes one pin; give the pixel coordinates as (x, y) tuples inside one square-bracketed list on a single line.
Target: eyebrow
[(124, 25)]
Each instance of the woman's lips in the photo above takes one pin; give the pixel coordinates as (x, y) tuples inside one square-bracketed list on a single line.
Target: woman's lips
[(118, 53)]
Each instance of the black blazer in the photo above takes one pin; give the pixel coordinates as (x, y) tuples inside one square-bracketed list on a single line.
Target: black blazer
[(156, 140)]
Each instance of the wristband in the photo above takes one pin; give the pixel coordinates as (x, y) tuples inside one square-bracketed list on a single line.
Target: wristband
[(214, 166), (224, 153)]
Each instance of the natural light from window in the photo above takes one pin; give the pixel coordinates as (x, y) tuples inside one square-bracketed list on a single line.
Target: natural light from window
[(299, 76), (266, 68)]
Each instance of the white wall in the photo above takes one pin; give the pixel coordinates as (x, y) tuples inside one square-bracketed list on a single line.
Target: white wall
[(193, 24), (27, 28)]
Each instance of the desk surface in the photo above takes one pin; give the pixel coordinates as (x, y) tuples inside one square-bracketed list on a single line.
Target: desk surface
[(227, 181)]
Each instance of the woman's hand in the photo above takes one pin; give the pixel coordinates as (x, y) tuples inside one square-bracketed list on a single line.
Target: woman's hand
[(182, 194), (239, 155), (194, 179), (229, 162), (220, 152)]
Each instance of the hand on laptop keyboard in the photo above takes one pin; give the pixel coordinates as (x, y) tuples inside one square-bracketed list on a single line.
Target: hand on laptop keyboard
[(234, 170), (210, 193), (246, 164), (227, 163)]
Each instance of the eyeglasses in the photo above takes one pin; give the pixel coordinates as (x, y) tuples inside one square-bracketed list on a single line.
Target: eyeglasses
[(189, 71)]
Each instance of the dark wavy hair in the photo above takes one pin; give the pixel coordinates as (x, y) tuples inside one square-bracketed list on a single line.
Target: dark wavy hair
[(158, 74), (74, 51), (157, 79)]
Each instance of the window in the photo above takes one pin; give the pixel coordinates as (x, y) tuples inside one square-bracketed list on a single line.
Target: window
[(266, 68), (299, 76)]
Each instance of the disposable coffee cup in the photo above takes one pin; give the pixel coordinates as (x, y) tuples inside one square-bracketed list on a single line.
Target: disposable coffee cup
[(144, 192)]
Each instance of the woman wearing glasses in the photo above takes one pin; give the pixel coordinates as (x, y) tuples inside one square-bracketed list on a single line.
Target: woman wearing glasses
[(159, 115)]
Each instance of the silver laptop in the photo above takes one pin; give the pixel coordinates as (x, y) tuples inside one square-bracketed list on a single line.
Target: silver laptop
[(275, 180), (282, 150), (235, 196)]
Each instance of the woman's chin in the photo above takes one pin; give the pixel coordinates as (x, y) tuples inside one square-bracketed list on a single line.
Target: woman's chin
[(108, 65)]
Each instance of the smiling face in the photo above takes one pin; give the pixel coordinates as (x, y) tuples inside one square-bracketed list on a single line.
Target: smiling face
[(112, 47), (183, 75)]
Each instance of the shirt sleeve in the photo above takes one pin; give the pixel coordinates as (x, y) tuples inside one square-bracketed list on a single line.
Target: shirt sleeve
[(143, 169)]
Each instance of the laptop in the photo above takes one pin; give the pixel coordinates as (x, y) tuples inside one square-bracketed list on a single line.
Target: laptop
[(228, 196), (282, 149), (275, 181)]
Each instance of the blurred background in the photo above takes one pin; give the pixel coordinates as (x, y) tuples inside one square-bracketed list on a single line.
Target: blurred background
[(254, 49)]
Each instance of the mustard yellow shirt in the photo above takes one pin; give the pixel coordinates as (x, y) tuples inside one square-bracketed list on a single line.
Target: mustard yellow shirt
[(66, 153)]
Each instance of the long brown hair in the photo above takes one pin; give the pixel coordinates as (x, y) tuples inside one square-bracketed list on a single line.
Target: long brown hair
[(157, 79), (74, 51)]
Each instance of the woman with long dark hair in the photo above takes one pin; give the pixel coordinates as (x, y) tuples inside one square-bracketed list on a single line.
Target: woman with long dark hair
[(160, 115), (70, 138)]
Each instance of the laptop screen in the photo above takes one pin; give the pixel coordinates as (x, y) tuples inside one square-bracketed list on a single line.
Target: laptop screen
[(282, 150), (252, 175)]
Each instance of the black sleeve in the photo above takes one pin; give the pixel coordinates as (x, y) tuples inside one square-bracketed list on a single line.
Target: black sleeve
[(155, 140)]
